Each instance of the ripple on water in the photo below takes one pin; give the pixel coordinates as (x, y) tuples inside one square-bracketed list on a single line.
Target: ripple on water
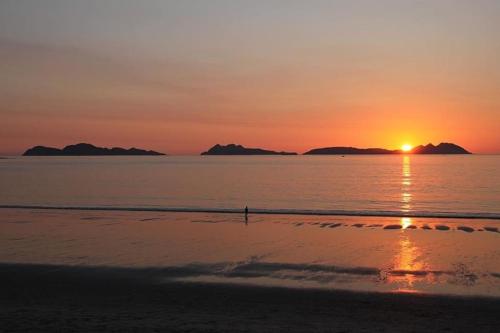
[(19, 222), (150, 219)]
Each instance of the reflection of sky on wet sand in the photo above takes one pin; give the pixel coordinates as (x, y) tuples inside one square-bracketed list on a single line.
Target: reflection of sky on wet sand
[(299, 251), (406, 222), (408, 263)]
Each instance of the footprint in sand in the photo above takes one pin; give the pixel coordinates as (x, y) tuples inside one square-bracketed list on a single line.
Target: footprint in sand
[(358, 225), (426, 227), (491, 229)]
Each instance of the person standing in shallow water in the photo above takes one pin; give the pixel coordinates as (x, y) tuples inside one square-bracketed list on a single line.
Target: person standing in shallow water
[(246, 214)]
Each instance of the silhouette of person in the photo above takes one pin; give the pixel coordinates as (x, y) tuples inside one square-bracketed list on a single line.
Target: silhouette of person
[(246, 214)]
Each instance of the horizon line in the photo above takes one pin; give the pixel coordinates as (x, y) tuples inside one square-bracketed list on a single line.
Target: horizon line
[(20, 153)]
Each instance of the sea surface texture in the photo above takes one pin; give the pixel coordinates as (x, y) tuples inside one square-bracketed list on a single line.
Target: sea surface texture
[(403, 184)]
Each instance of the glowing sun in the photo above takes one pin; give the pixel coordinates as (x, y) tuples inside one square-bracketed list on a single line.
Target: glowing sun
[(406, 147)]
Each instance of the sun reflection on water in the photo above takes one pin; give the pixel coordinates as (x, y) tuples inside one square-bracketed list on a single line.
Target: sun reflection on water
[(405, 185)]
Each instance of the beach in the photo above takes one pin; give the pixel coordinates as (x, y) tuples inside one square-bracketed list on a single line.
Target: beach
[(77, 270), (74, 299)]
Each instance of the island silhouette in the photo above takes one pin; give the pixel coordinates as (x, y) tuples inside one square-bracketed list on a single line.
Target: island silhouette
[(442, 148), (234, 149), (87, 149)]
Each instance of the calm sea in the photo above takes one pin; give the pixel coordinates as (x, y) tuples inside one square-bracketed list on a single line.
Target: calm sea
[(452, 184)]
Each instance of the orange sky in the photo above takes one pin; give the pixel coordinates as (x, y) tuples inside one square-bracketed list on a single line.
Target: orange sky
[(178, 77)]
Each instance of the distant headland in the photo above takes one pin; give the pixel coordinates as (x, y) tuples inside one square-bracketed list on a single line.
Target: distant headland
[(442, 148), (86, 149), (233, 149)]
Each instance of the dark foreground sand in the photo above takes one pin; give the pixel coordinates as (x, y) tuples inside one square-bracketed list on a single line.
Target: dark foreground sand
[(68, 299)]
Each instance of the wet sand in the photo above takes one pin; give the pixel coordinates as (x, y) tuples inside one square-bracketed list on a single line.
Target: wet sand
[(88, 299), (360, 254), (185, 272)]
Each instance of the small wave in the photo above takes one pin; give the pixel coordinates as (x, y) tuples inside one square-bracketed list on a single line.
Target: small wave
[(317, 212)]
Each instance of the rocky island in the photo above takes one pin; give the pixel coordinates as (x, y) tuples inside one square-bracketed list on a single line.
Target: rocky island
[(442, 148), (86, 149), (233, 149)]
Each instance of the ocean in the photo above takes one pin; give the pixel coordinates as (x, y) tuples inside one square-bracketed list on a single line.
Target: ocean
[(417, 185)]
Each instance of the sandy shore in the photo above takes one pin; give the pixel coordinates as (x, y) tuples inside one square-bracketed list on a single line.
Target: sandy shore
[(60, 271), (87, 299), (360, 254)]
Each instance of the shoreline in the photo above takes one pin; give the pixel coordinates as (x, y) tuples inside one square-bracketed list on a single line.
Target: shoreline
[(82, 299), (259, 211)]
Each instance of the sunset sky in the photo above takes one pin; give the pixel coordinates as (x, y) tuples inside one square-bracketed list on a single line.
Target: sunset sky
[(180, 76)]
